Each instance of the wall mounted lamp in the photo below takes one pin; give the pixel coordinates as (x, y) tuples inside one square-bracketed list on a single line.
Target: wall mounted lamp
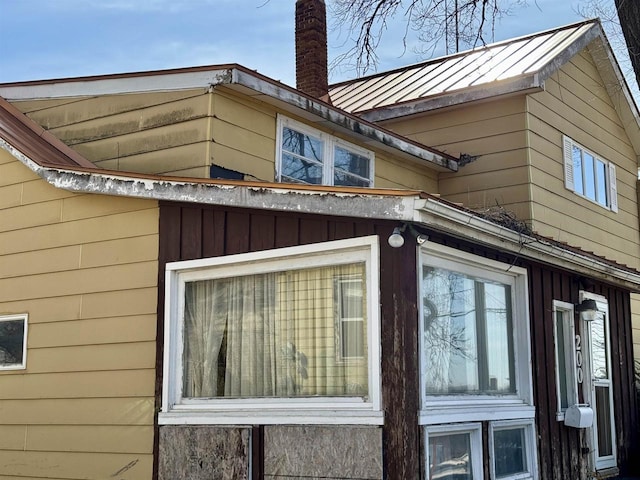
[(396, 240), (588, 309)]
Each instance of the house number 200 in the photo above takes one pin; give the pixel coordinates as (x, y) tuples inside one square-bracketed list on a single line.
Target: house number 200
[(579, 374)]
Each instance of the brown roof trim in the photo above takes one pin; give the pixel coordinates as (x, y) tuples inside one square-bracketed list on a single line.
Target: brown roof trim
[(34, 141), (117, 76)]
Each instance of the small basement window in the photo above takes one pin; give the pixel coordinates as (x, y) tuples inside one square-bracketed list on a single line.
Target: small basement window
[(13, 342)]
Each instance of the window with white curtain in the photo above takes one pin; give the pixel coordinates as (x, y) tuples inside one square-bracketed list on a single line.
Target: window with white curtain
[(276, 332)]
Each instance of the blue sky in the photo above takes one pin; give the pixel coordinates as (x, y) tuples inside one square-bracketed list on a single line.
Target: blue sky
[(42, 39)]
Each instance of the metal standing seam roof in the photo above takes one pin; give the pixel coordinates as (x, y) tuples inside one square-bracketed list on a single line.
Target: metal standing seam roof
[(484, 66)]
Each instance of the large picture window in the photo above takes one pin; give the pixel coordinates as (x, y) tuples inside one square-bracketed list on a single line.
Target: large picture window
[(267, 330), (307, 155), (589, 176), (474, 338), (467, 334), (475, 366)]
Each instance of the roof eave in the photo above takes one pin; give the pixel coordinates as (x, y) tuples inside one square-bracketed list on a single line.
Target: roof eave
[(520, 85), (251, 83), (617, 87), (412, 207), (448, 219), (337, 119)]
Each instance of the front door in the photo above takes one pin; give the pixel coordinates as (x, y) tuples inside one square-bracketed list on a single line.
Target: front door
[(598, 389)]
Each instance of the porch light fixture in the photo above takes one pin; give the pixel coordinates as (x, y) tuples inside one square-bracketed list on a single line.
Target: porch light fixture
[(396, 240), (588, 310)]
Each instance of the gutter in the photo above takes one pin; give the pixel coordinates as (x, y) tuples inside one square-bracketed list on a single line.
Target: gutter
[(449, 219), (263, 197)]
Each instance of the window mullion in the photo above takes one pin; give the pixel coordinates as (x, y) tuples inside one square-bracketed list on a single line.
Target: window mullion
[(327, 169), (481, 337)]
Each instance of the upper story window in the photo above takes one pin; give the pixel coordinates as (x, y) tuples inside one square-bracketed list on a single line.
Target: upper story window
[(589, 175), (307, 155), (282, 336), (13, 342)]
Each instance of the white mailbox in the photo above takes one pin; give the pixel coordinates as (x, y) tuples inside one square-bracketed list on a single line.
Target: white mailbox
[(579, 416)]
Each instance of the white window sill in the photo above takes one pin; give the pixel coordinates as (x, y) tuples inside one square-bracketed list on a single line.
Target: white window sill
[(298, 417), (6, 368), (471, 412)]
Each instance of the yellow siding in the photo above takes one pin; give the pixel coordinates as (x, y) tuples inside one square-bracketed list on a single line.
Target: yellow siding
[(183, 134), (74, 465), (75, 111), (495, 133), (84, 267), (575, 103)]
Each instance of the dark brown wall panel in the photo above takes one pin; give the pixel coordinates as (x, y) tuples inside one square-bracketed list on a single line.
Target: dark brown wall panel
[(192, 231)]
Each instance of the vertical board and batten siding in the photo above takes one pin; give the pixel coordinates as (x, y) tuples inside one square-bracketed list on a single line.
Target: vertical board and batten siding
[(560, 448), (84, 268), (191, 232), (495, 134), (184, 133), (575, 103)]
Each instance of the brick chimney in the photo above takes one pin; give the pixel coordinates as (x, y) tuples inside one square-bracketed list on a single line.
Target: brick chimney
[(311, 48)]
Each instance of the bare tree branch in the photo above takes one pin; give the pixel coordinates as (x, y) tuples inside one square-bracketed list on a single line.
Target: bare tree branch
[(471, 23)]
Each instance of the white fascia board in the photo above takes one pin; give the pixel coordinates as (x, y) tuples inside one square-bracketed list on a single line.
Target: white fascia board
[(120, 85), (337, 118), (448, 219), (385, 207)]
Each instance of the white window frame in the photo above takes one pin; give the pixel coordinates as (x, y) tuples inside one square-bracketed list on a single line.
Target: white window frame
[(23, 365), (475, 433), (589, 384), (569, 361), (330, 143), (315, 410), (530, 448), (569, 176), (437, 409), (340, 321)]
